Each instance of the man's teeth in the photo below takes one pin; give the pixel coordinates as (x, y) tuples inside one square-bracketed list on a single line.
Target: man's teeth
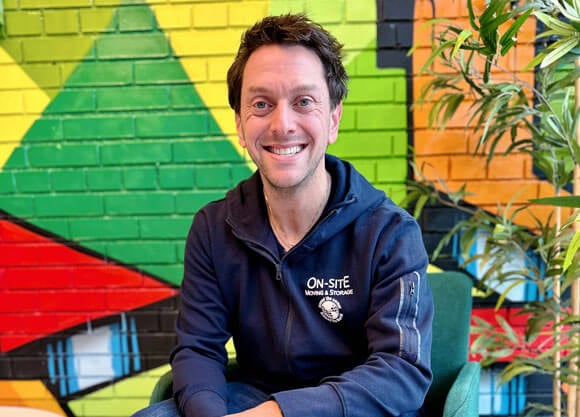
[(286, 151)]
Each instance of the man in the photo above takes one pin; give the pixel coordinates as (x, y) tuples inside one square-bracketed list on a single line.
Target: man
[(317, 275)]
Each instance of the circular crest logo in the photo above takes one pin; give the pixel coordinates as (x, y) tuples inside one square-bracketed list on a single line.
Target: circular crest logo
[(330, 309)]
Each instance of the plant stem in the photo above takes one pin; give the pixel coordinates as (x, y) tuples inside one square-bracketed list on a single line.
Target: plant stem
[(556, 382), (574, 391)]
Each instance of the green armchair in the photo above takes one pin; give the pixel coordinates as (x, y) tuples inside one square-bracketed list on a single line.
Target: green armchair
[(455, 388)]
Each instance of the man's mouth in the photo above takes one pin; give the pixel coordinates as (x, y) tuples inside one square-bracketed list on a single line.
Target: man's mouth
[(292, 150)]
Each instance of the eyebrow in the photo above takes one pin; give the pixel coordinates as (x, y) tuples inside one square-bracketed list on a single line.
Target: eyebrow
[(303, 88)]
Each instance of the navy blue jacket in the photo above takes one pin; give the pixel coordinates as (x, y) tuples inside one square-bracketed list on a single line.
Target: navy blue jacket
[(339, 326)]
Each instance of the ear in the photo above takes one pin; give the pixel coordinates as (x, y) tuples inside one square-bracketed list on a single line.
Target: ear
[(335, 116), (240, 130)]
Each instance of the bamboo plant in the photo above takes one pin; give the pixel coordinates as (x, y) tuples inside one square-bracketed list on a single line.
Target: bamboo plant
[(540, 119)]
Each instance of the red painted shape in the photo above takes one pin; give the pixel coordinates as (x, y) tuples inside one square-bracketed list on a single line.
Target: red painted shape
[(47, 287), (517, 321)]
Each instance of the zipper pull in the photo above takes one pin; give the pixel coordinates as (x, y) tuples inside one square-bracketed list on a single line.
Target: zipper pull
[(412, 288)]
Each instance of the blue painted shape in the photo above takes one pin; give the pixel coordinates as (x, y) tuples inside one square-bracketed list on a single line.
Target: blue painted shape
[(135, 353)]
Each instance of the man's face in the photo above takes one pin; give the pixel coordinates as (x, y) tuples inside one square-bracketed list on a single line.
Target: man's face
[(285, 120)]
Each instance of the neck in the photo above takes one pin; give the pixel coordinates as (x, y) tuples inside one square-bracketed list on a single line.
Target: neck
[(292, 216)]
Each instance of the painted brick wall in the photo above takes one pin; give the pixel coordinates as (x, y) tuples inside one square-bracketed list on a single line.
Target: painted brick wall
[(115, 130)]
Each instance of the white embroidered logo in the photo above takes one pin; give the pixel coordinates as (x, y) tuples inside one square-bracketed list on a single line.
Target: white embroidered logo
[(336, 287), (330, 309)]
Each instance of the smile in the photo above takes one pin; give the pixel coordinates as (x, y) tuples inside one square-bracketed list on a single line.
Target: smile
[(293, 150)]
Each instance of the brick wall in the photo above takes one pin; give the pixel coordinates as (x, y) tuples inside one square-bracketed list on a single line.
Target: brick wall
[(115, 130)]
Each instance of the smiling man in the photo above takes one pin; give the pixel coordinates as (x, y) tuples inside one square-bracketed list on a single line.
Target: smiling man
[(317, 276)]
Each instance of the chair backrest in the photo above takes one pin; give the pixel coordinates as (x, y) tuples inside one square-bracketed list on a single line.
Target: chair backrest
[(453, 303)]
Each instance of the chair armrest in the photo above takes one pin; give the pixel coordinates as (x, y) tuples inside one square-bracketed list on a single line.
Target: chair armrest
[(463, 397), (163, 389)]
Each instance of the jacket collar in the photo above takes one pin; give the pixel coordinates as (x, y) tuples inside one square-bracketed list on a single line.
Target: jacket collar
[(351, 194)]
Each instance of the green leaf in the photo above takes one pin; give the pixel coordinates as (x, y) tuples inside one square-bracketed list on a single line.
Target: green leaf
[(536, 324), (568, 11), (461, 38), (471, 15), (560, 201), (435, 54), (506, 292), (512, 371), (427, 24), (559, 27), (509, 331), (558, 50), (509, 38), (537, 60), (572, 250)]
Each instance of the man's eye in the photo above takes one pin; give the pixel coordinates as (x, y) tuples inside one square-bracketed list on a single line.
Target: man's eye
[(260, 105), (304, 102)]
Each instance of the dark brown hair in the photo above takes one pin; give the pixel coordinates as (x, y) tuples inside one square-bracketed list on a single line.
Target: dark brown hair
[(294, 29)]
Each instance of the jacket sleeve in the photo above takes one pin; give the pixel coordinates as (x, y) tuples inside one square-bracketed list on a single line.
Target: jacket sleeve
[(396, 375), (199, 358)]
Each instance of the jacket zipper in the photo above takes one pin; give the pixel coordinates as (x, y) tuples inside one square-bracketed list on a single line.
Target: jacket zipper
[(258, 247), (289, 321), (410, 337)]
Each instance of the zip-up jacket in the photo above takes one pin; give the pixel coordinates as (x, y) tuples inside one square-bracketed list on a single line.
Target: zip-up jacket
[(338, 326)]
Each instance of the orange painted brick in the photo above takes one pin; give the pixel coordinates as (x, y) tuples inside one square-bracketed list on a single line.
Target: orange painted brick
[(420, 55), (459, 120), (492, 192), (503, 144), (524, 54), (447, 8), (421, 81), (530, 216), (437, 142), (423, 10), (528, 31), (469, 167), (517, 58), (512, 166), (478, 7), (433, 167), (453, 187), (545, 189)]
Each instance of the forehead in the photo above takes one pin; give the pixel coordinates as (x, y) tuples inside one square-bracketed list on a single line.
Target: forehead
[(287, 64)]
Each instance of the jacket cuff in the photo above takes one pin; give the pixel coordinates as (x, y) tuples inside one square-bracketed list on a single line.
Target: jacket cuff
[(205, 404), (313, 401)]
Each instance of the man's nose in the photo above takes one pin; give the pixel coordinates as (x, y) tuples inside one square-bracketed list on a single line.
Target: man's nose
[(282, 119)]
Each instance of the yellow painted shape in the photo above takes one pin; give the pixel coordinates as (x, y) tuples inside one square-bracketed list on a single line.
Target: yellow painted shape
[(120, 399), (216, 43), (174, 16), (354, 35), (33, 394), (11, 102), (29, 102)]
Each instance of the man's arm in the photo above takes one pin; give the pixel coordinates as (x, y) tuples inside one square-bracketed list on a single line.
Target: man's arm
[(266, 409), (199, 359), (396, 375)]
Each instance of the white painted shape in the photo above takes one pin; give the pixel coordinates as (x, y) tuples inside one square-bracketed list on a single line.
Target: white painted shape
[(93, 359)]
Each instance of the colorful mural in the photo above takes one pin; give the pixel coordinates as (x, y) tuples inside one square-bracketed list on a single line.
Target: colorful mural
[(115, 130)]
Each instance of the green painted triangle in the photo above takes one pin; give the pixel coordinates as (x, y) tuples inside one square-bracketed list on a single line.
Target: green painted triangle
[(125, 153)]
